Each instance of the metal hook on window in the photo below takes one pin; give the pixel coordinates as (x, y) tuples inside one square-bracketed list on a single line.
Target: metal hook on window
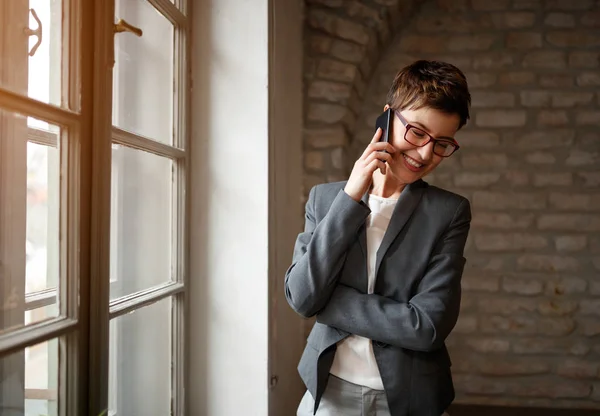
[(35, 32), (123, 26)]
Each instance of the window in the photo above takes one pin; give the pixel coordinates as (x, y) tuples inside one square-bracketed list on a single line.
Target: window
[(93, 206)]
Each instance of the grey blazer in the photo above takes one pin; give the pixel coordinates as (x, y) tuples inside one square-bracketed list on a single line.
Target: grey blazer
[(417, 292)]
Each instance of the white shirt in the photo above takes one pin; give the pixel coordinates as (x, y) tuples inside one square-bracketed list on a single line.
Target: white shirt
[(354, 360)]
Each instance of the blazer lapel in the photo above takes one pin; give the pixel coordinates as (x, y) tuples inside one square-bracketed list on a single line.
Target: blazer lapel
[(362, 231), (408, 201)]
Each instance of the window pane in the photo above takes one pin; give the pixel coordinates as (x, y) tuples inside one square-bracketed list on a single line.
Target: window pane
[(29, 381), (140, 361), (141, 222), (37, 76), (29, 221), (143, 75)]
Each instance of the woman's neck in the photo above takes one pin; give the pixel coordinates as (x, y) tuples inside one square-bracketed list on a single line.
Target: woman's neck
[(385, 186)]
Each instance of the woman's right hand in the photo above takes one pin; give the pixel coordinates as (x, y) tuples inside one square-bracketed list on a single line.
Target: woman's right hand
[(374, 157)]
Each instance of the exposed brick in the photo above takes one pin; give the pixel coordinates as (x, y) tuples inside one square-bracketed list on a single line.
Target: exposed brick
[(454, 23), (479, 385), (557, 307), (337, 26), (311, 180), (552, 179), (532, 346), (522, 286), (422, 43), (556, 81), (568, 5), (516, 178), (539, 140), (547, 263), (590, 327), (508, 200), (314, 160), (506, 306), (326, 113), (478, 139), (526, 4), (483, 282), (559, 20), (577, 369), (325, 137), (476, 180), (490, 160), (481, 79), (595, 396), (337, 71), (481, 42), (330, 91), (586, 118), (493, 60), (501, 118), (528, 325), (591, 19), (571, 99), (552, 118), (551, 389), (489, 5), (590, 307), (501, 366), (524, 40), (513, 20), (590, 179), (337, 158), (536, 98), (595, 288), (573, 39), (584, 59), (453, 5), (466, 324), (587, 79), (501, 220), (483, 263), (541, 158), (348, 51), (581, 158), (575, 202), (327, 3), (545, 59), (492, 99), (488, 345), (516, 78), (566, 286), (509, 242), (569, 222)]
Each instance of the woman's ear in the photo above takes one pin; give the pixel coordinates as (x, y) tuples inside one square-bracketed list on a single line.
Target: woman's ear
[(386, 107)]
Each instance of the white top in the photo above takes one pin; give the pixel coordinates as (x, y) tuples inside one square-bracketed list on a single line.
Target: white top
[(354, 360)]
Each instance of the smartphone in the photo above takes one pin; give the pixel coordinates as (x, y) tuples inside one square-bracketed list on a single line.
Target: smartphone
[(384, 121)]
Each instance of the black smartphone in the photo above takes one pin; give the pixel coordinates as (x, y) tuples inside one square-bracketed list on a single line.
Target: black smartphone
[(384, 121)]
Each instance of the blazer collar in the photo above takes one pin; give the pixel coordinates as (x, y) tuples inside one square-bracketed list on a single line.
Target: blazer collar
[(407, 203)]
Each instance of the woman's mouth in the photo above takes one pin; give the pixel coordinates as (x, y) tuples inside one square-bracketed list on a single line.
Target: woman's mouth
[(411, 163)]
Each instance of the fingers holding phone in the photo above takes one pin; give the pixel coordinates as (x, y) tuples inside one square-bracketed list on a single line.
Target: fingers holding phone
[(377, 154)]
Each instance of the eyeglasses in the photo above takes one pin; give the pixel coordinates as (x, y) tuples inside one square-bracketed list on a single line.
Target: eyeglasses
[(419, 137)]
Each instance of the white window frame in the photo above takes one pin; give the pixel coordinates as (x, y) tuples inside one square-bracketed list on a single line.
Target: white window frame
[(85, 193)]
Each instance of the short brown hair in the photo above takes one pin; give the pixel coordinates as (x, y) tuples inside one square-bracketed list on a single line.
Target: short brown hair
[(432, 84)]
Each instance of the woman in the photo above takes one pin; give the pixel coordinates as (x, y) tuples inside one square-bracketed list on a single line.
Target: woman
[(380, 262)]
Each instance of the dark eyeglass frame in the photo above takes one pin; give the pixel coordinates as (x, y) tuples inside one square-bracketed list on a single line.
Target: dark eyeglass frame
[(409, 126)]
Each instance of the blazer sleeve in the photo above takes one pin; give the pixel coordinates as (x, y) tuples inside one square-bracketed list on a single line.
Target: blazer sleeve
[(425, 321), (319, 252)]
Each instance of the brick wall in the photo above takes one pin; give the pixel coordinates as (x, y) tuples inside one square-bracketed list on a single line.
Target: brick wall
[(529, 331)]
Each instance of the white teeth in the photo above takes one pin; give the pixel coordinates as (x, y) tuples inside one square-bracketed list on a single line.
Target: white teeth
[(412, 162)]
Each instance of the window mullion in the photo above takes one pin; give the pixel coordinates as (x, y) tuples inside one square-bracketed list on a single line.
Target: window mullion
[(98, 284)]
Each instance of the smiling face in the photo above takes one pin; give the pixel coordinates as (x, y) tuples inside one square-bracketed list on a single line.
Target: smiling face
[(411, 163)]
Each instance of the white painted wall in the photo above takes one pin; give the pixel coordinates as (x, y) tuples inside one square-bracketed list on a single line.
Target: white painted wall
[(238, 327)]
